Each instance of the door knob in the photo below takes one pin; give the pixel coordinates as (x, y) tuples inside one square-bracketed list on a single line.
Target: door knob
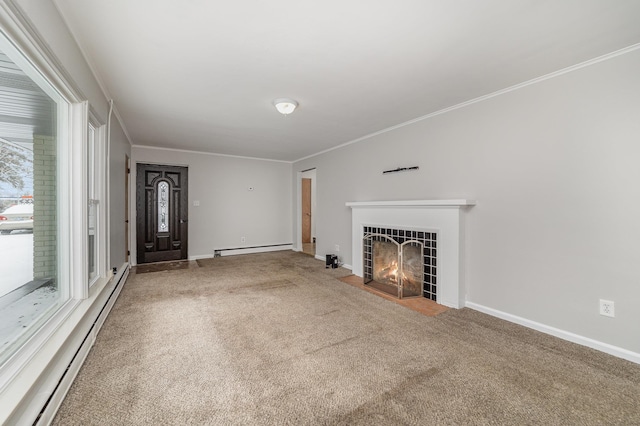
[(183, 221)]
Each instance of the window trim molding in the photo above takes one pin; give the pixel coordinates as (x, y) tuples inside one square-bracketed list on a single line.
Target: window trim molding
[(100, 194), (48, 324), (21, 32), (79, 127)]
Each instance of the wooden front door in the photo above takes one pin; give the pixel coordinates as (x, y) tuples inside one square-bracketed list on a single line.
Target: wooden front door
[(306, 210), (162, 213)]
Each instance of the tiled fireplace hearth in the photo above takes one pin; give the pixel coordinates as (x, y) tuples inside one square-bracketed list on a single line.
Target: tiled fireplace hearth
[(431, 229)]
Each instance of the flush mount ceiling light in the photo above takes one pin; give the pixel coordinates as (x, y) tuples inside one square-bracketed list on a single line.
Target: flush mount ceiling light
[(285, 105)]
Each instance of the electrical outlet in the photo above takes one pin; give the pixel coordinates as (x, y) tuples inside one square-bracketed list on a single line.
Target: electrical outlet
[(607, 308), (243, 239), (337, 247)]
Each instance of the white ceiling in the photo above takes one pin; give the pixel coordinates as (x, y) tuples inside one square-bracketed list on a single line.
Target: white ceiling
[(201, 74)]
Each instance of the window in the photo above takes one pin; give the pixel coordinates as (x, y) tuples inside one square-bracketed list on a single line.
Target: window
[(33, 283), (53, 160), (95, 208), (92, 207), (163, 206), (52, 215)]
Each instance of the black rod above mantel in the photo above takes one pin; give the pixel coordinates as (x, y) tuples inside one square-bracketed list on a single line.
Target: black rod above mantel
[(401, 169)]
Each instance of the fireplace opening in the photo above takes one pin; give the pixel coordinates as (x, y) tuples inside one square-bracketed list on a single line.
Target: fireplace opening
[(401, 263)]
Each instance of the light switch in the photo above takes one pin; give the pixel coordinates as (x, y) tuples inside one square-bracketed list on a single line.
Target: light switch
[(196, 203)]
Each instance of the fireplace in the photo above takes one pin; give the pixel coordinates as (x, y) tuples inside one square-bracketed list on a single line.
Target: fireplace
[(400, 262), (444, 243)]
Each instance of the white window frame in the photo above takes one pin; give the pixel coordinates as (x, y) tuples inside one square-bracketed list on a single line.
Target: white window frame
[(78, 211), (72, 116), (65, 226), (97, 195)]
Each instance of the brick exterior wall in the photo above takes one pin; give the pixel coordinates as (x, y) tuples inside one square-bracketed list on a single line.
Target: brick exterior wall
[(45, 253)]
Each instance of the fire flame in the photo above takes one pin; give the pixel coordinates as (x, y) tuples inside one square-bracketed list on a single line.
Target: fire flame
[(391, 272)]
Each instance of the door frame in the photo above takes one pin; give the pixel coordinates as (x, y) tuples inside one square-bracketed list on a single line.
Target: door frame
[(127, 208), (306, 202), (133, 199), (298, 206), (133, 178)]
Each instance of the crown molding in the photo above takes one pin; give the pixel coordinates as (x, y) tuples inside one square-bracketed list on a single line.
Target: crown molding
[(188, 151), (509, 89)]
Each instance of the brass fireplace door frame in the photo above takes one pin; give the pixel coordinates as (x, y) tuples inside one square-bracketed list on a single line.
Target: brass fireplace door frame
[(400, 250)]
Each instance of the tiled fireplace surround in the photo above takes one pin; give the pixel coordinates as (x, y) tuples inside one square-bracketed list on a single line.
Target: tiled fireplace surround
[(446, 217)]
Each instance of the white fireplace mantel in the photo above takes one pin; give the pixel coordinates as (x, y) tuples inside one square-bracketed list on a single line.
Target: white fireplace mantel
[(411, 203), (446, 217)]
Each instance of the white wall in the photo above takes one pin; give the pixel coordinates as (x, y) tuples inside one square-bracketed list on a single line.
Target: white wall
[(120, 149), (228, 209), (50, 25), (554, 167)]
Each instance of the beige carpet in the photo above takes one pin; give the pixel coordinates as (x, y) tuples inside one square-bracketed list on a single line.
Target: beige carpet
[(163, 266), (275, 338)]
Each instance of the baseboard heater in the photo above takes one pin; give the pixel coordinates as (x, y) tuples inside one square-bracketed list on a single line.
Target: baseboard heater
[(252, 249), (60, 391)]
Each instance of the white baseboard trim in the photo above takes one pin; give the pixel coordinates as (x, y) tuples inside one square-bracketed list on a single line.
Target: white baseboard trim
[(61, 391), (232, 252), (250, 250), (120, 279), (201, 256), (562, 334), (324, 259), (73, 369)]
